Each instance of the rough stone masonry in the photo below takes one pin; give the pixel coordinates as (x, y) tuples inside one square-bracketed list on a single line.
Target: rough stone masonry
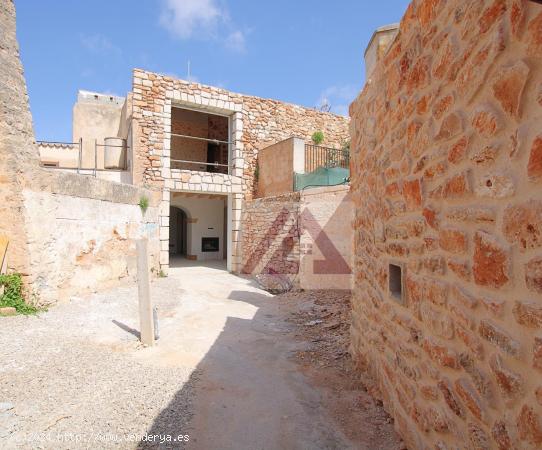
[(447, 182)]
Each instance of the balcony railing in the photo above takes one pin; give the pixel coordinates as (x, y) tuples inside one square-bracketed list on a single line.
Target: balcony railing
[(316, 157)]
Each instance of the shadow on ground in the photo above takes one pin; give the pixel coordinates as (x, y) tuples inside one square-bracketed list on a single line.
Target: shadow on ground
[(249, 393)]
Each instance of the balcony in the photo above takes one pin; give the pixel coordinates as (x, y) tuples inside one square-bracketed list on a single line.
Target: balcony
[(292, 165)]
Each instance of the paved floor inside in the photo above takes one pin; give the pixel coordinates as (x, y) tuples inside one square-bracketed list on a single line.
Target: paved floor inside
[(223, 373)]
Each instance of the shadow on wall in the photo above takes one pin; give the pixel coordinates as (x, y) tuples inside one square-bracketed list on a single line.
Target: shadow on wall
[(248, 392)]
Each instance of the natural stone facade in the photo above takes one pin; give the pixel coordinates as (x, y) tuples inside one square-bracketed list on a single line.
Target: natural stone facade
[(446, 173), (16, 140), (303, 236), (255, 123)]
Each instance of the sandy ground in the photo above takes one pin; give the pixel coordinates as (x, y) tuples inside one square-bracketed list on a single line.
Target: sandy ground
[(235, 368)]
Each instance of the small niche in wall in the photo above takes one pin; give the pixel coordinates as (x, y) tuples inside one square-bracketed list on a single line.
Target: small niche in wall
[(395, 277)]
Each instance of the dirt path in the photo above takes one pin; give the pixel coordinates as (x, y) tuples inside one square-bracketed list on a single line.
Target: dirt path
[(235, 368)]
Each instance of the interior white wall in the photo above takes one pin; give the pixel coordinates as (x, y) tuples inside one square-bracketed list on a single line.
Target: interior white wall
[(205, 219)]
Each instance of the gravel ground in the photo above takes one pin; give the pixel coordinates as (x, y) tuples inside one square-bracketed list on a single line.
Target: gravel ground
[(235, 368), (72, 378)]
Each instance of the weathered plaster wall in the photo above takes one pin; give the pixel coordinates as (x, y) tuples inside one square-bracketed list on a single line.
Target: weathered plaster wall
[(327, 239), (94, 119), (277, 164), (446, 173), (306, 236), (86, 243)]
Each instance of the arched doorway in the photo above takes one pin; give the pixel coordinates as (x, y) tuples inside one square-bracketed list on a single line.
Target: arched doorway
[(178, 231)]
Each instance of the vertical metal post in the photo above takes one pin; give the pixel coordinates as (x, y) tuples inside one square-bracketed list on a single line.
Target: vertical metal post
[(95, 157), (146, 315), (80, 154)]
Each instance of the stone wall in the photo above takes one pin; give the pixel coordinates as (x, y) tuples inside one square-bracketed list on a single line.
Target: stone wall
[(446, 173), (16, 140), (270, 235), (81, 234), (263, 122), (68, 233), (306, 236)]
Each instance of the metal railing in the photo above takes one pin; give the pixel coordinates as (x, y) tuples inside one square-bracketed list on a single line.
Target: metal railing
[(205, 166), (78, 166), (317, 156)]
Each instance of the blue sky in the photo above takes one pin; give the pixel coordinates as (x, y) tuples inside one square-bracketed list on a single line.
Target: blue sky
[(297, 51)]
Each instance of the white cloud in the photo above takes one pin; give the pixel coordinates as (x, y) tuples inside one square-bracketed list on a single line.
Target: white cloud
[(236, 41), (100, 44), (337, 99), (201, 19)]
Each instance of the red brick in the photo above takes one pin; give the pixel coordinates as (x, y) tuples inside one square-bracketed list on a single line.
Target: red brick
[(491, 261), (509, 86), (453, 241), (529, 425), (450, 398), (538, 395), (533, 274), (467, 393), (491, 15), (534, 36), (537, 352), (528, 313), (522, 224), (509, 382), (441, 353), (451, 126), (458, 150), (486, 121), (412, 194), (499, 337), (534, 167), (539, 97), (501, 436)]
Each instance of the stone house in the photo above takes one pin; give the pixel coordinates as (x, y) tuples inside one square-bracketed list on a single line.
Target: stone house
[(198, 146)]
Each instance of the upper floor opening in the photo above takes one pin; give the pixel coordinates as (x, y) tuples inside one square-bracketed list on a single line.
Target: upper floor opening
[(200, 141)]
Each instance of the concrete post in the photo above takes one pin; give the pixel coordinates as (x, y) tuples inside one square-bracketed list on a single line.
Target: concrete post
[(146, 320), (298, 149)]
